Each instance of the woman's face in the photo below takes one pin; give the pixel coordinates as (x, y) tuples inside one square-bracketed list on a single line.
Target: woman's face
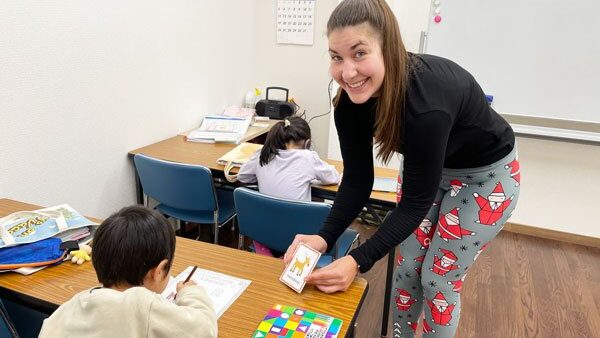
[(356, 61)]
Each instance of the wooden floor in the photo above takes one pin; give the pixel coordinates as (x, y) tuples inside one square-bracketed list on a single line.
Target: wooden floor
[(520, 287)]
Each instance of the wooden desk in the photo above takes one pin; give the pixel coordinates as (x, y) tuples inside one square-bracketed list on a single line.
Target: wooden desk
[(177, 149), (50, 287), (387, 198)]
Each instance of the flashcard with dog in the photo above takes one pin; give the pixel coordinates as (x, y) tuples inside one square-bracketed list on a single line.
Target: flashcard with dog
[(302, 264)]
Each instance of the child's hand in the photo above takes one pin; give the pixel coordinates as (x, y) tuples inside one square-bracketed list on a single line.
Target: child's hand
[(182, 285)]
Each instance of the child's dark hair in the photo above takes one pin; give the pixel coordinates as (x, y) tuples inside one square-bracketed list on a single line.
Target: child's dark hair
[(293, 128), (130, 243)]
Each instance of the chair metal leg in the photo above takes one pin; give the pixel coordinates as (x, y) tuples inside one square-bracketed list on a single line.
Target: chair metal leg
[(216, 226), (374, 213), (387, 294), (179, 226), (241, 242), (139, 191)]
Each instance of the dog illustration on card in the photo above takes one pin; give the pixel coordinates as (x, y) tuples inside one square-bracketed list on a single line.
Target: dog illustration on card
[(301, 265), (298, 265)]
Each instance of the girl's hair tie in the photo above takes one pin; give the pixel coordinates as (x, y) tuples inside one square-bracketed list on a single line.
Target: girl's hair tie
[(286, 123)]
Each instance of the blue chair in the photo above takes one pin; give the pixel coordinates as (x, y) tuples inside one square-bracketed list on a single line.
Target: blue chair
[(274, 222), (185, 192), (7, 328)]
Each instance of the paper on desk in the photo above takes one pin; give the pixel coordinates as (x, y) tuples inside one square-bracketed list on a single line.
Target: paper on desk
[(387, 184), (26, 270), (222, 289)]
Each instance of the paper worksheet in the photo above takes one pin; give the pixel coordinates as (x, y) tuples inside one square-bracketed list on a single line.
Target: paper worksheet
[(387, 184), (222, 289)]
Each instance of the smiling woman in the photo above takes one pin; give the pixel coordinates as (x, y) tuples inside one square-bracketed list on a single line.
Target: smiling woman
[(459, 181), (373, 25), (356, 61)]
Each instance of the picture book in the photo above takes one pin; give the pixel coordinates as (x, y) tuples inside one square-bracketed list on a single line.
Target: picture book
[(284, 321), (60, 221), (222, 289)]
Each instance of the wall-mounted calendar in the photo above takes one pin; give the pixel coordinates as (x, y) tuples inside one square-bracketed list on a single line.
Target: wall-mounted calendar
[(295, 21)]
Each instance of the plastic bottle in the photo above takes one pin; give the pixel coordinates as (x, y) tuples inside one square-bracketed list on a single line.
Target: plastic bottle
[(252, 96)]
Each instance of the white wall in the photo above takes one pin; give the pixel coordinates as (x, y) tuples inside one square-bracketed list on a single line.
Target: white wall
[(560, 182), (412, 17), (304, 70), (83, 82)]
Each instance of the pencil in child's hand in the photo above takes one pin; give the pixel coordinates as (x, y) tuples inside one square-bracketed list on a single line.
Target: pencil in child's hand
[(191, 273), (188, 277)]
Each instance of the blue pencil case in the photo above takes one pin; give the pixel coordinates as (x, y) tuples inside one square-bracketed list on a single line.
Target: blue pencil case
[(44, 252)]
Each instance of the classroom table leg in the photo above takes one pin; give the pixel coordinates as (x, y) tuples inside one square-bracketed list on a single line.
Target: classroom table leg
[(386, 295), (351, 331), (139, 191)]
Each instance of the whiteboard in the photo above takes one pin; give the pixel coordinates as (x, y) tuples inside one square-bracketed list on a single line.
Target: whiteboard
[(538, 58)]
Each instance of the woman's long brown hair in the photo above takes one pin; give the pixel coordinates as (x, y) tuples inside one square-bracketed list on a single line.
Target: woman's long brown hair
[(390, 104)]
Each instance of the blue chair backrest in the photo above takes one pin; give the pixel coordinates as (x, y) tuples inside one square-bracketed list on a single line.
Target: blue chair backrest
[(274, 221), (181, 186)]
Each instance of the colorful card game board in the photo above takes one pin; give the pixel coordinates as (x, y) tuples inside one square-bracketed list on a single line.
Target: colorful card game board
[(284, 321)]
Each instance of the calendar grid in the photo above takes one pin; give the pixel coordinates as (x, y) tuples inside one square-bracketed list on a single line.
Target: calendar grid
[(295, 21)]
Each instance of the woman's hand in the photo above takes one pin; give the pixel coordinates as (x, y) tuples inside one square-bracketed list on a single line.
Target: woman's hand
[(314, 241), (336, 276)]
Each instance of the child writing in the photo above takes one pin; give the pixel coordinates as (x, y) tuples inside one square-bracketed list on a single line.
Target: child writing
[(133, 253), (285, 167)]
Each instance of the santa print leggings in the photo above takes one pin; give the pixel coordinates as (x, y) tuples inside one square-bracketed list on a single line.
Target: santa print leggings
[(470, 208)]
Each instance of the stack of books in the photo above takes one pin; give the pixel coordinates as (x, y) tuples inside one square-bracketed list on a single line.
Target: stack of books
[(220, 128)]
